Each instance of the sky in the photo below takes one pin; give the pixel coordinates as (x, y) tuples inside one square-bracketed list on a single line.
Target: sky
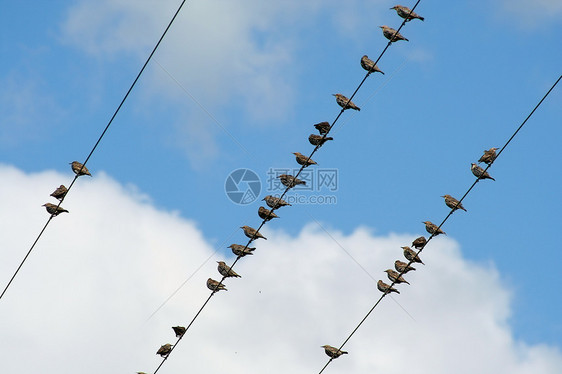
[(239, 86)]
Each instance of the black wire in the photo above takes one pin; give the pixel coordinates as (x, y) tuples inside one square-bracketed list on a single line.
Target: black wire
[(97, 143), (444, 220)]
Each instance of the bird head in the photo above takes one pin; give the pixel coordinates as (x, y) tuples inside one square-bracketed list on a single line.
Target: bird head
[(394, 7), (388, 271), (406, 247)]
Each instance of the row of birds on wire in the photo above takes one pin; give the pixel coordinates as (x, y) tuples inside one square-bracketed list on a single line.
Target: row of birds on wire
[(289, 182)]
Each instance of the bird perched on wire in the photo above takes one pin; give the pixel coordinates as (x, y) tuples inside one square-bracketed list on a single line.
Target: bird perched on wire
[(164, 350), (453, 203), (345, 103), (406, 13), (79, 169), (395, 277), (323, 127), (60, 192), (215, 286), (275, 202), (385, 288), (369, 65), (432, 228), (419, 243), (179, 331), (489, 156), (252, 233), (226, 271), (290, 181), (402, 267), (392, 34), (304, 160), (411, 255), (53, 209), (240, 250), (479, 172), (318, 139), (266, 214), (333, 352)]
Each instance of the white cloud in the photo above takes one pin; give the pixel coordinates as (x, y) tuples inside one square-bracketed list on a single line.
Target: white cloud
[(533, 13), (81, 301)]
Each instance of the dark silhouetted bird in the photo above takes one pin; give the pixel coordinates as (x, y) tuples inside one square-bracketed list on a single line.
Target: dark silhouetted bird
[(333, 352), (402, 267), (411, 255), (432, 228), (318, 140), (290, 181), (304, 160), (479, 172), (275, 202), (215, 286), (489, 156), (266, 214), (394, 276), (345, 103), (240, 250), (53, 209), (226, 271), (164, 350), (453, 203), (369, 65), (419, 242), (322, 127), (60, 192), (392, 34), (252, 233), (79, 169), (179, 330), (406, 13), (383, 287)]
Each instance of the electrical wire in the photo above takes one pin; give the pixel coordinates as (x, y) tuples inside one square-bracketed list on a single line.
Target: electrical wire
[(96, 144), (444, 220)]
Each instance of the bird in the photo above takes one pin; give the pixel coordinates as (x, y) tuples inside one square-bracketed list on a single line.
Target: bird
[(304, 160), (402, 267), (79, 169), (383, 287), (252, 233), (164, 350), (323, 127), (453, 203), (141, 372), (345, 103), (411, 255), (290, 181), (266, 214), (60, 192), (240, 250), (432, 228), (489, 156), (369, 65), (318, 139), (406, 13), (419, 242), (215, 286), (333, 352), (275, 202), (179, 330), (53, 209), (392, 34), (226, 271), (395, 277), (479, 172)]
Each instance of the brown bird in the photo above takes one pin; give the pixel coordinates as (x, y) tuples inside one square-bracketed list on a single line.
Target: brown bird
[(266, 214), (53, 209), (164, 350), (79, 169), (215, 286), (345, 103), (479, 172), (275, 202), (392, 34), (141, 372), (411, 255), (383, 287), (323, 127), (304, 160), (252, 233), (240, 250), (60, 192), (179, 330), (419, 243), (395, 277), (369, 65), (333, 352), (318, 140), (290, 181), (432, 228), (453, 203), (402, 267), (406, 13), (226, 271), (489, 156)]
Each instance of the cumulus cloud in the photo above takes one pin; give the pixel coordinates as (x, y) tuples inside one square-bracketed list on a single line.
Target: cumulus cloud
[(82, 301)]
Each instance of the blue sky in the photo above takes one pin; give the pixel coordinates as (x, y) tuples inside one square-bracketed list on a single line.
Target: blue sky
[(265, 74)]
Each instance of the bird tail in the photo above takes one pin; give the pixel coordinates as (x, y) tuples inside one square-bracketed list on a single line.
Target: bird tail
[(421, 18)]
